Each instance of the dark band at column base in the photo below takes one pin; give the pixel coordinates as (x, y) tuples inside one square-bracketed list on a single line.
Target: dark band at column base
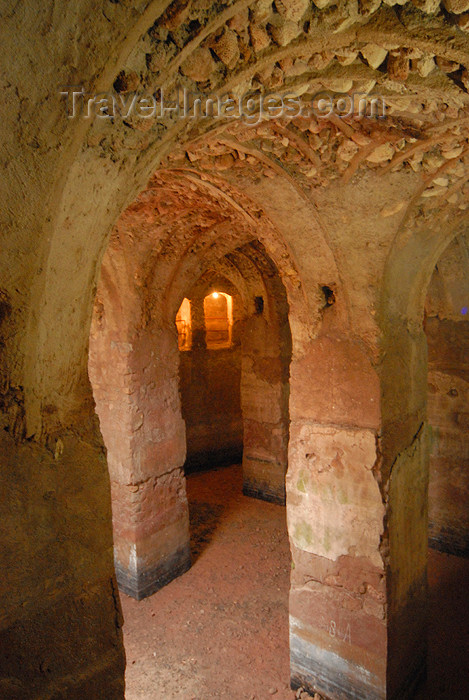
[(148, 581), (321, 671), (263, 492)]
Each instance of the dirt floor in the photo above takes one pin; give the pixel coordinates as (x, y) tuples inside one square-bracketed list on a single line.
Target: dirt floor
[(221, 629)]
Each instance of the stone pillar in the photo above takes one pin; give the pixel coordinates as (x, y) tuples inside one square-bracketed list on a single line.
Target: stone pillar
[(198, 323), (404, 456), (357, 517), (137, 399), (151, 545), (264, 403), (335, 514)]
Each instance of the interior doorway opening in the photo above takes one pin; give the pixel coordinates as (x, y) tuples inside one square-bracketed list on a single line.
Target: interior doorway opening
[(446, 325), (184, 325), (210, 377), (218, 314), (221, 630), (447, 331), (194, 363)]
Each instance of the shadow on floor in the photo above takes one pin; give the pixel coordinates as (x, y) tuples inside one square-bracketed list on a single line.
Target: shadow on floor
[(214, 495), (204, 519), (230, 611)]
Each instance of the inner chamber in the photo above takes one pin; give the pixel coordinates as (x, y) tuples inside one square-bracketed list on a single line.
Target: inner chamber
[(190, 348)]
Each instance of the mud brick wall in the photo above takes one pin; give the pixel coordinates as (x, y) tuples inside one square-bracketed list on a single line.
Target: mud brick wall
[(211, 406), (448, 414)]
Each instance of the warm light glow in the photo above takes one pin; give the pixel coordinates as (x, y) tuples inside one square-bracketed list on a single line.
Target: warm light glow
[(183, 325), (218, 316)]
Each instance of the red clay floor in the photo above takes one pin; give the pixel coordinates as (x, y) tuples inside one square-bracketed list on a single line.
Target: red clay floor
[(221, 629)]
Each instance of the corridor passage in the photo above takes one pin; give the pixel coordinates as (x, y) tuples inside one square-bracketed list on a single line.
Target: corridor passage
[(221, 629)]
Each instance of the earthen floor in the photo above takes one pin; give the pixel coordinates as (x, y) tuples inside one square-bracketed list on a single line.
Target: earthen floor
[(221, 629)]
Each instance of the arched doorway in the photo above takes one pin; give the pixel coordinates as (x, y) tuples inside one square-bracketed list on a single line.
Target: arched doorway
[(138, 393), (447, 333), (210, 376), (417, 355), (134, 323)]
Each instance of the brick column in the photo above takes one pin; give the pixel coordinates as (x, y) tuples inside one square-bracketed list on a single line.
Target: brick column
[(335, 513), (264, 402), (137, 397), (357, 518)]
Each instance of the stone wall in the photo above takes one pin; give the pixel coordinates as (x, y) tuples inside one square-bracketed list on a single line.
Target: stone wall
[(209, 379), (61, 634), (264, 396), (211, 406), (447, 332), (448, 414)]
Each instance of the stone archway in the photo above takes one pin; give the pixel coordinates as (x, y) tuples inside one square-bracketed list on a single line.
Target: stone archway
[(154, 259), (406, 439), (69, 181)]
